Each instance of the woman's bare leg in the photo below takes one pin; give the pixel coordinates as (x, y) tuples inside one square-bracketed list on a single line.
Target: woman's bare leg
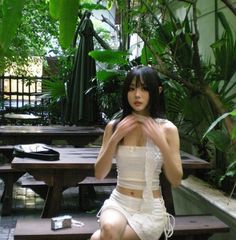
[(130, 234), (113, 226)]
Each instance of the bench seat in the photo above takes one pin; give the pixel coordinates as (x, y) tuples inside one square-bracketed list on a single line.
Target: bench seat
[(200, 226), (86, 188), (7, 151), (9, 177), (95, 182), (87, 191)]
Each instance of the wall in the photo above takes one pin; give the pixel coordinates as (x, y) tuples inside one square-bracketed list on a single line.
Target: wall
[(197, 197), (207, 25)]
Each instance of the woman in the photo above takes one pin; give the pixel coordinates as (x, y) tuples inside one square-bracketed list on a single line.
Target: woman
[(143, 143)]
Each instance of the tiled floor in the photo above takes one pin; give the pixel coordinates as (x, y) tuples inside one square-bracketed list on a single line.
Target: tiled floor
[(27, 204)]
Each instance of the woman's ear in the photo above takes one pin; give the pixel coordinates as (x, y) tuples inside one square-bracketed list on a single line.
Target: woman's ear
[(160, 89)]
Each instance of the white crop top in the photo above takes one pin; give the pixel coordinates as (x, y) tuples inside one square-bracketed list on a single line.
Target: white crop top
[(135, 170)]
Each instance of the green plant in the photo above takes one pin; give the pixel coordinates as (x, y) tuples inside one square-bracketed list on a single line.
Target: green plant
[(26, 30), (55, 89), (219, 119), (197, 90), (223, 142), (109, 79), (11, 13)]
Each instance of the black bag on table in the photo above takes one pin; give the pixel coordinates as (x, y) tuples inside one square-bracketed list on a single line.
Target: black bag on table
[(36, 150)]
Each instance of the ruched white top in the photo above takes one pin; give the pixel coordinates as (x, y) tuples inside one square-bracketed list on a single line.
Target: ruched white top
[(132, 169)]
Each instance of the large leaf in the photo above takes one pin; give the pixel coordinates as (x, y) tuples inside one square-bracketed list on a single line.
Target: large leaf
[(147, 56), (106, 75), (225, 52), (54, 5), (92, 6), (224, 22), (233, 113), (109, 56), (55, 88), (11, 12), (67, 14), (220, 139)]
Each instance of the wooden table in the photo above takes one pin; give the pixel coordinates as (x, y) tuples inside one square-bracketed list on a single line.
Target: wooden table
[(78, 136), (74, 165), (17, 118)]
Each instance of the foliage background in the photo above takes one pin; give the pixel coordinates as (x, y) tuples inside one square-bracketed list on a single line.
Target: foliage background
[(198, 68)]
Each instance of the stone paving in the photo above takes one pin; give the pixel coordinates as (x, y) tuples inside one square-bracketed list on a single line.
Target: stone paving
[(27, 204)]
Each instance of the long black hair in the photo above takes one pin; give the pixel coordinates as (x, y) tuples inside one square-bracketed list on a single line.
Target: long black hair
[(149, 77)]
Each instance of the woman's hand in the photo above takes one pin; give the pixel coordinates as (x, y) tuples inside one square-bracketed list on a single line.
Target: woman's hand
[(154, 131), (124, 127)]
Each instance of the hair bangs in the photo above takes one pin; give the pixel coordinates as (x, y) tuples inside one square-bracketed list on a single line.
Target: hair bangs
[(149, 78)]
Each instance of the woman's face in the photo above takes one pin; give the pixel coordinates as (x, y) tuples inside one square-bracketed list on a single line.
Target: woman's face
[(138, 97)]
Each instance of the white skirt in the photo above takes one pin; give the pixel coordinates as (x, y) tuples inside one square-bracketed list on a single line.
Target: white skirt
[(148, 219)]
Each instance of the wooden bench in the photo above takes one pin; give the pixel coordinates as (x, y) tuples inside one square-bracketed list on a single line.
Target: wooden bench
[(7, 151), (190, 227), (199, 227), (86, 188), (187, 227), (39, 187), (9, 177)]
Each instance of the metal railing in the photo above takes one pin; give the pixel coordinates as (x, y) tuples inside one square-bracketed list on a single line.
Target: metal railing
[(19, 91), (22, 94)]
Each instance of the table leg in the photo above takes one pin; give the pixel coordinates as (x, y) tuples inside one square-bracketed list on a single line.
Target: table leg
[(57, 181), (167, 194), (9, 180), (53, 200)]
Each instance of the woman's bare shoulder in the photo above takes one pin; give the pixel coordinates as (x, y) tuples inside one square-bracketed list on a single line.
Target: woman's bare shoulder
[(168, 126)]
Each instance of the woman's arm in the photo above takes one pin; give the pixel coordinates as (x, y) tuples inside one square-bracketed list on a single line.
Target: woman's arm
[(171, 154), (104, 160)]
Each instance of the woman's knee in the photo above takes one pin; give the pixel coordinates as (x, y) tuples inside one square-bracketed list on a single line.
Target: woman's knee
[(96, 235), (106, 228), (112, 225), (110, 231)]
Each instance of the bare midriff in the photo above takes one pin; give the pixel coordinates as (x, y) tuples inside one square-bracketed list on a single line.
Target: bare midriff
[(136, 193)]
